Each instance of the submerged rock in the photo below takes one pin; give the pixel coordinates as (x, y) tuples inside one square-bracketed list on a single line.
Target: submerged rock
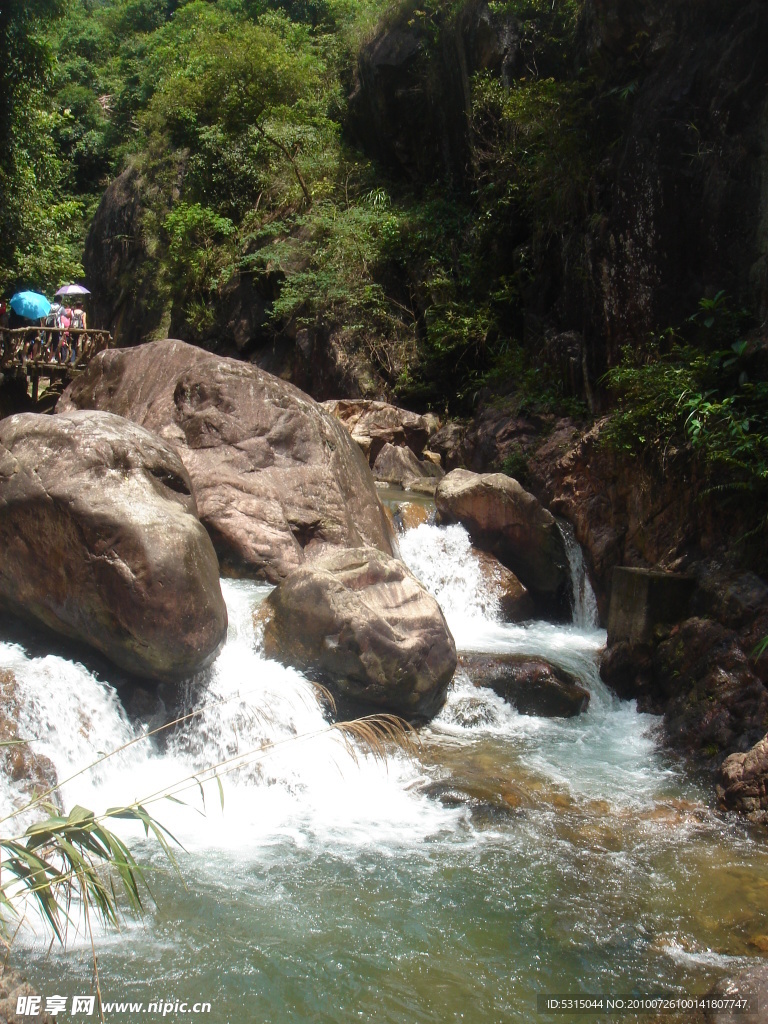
[(531, 685), (743, 782), (100, 542), (374, 424), (277, 480), (409, 515), (361, 622), (503, 518)]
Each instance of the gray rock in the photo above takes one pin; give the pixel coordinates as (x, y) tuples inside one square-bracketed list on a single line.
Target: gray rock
[(400, 466), (531, 685), (360, 621), (277, 480), (504, 519), (100, 541), (514, 600), (644, 598)]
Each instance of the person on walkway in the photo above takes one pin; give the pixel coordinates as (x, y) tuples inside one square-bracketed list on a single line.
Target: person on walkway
[(53, 336), (65, 322)]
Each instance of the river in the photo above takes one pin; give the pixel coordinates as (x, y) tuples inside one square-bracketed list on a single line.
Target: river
[(512, 856)]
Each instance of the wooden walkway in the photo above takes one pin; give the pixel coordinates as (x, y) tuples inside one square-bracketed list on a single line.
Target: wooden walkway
[(49, 352)]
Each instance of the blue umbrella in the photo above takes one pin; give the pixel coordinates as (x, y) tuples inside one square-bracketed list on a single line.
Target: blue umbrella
[(30, 305)]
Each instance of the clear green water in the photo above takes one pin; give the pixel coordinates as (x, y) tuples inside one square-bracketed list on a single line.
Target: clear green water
[(515, 856)]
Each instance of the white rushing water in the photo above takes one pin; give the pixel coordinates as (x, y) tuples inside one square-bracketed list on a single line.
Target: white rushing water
[(551, 855), (285, 778), (282, 770)]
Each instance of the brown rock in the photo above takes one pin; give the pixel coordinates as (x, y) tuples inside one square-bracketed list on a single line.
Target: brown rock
[(277, 480), (531, 685), (410, 514), (515, 601), (360, 621), (750, 984), (448, 443), (34, 773), (374, 424), (698, 676), (743, 782), (399, 466), (503, 518), (100, 541), (12, 986)]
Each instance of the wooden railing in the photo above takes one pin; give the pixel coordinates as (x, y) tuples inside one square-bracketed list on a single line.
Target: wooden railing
[(38, 349)]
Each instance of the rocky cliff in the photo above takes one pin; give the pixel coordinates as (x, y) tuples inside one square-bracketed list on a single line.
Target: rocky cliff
[(674, 208)]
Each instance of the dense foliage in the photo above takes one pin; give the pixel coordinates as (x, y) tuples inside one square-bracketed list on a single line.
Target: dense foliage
[(234, 114), (700, 390)]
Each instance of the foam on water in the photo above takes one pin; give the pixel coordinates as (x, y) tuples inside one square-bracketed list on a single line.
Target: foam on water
[(326, 866), (283, 772), (608, 753)]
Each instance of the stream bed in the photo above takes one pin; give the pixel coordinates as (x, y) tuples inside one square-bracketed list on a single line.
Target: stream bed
[(512, 856)]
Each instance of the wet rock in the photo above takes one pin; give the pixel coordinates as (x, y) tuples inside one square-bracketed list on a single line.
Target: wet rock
[(698, 676), (750, 984), (743, 782), (531, 685), (409, 515), (504, 519), (621, 513), (13, 986), (374, 424), (399, 466), (642, 599), (100, 542), (33, 773), (277, 480), (360, 622), (514, 600)]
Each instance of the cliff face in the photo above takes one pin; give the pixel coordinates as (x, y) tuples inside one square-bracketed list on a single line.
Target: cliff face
[(118, 266), (685, 211), (676, 208), (412, 103)]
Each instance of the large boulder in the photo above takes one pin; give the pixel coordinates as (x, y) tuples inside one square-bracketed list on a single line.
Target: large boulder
[(531, 685), (361, 622), (277, 480), (503, 518), (514, 601), (743, 782), (100, 541), (374, 424), (400, 467)]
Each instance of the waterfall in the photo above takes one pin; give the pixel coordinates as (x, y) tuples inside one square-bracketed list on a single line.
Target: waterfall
[(583, 601), (286, 773)]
